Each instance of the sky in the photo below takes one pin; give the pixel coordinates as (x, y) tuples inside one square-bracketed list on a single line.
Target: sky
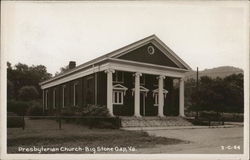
[(203, 34)]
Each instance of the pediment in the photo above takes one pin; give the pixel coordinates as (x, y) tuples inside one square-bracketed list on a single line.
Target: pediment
[(151, 51), (157, 90), (119, 87)]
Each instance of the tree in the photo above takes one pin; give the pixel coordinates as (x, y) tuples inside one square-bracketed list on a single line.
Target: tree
[(198, 95), (23, 75), (219, 95), (217, 100), (190, 86), (28, 93), (10, 90), (62, 70), (235, 100)]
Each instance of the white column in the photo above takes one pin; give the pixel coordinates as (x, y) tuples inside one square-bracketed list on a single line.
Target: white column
[(160, 96), (110, 90), (181, 98), (137, 94)]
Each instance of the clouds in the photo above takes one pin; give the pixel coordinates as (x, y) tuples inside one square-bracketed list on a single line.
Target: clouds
[(53, 33)]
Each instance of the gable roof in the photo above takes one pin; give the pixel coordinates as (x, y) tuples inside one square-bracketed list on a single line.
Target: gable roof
[(119, 87), (121, 51), (156, 91), (157, 56), (158, 43)]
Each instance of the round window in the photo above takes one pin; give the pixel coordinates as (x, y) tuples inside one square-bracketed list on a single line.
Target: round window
[(151, 50)]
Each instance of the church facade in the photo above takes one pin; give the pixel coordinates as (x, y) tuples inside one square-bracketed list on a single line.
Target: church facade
[(144, 78)]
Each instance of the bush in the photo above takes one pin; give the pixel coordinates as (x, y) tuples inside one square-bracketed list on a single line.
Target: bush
[(28, 93), (13, 121), (18, 107), (229, 117), (35, 109), (102, 122), (233, 117), (89, 110), (210, 115), (93, 110), (92, 116)]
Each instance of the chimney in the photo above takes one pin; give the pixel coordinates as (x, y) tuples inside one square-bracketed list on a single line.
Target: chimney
[(72, 64)]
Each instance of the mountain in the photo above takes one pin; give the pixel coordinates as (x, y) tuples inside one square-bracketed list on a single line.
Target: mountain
[(221, 72)]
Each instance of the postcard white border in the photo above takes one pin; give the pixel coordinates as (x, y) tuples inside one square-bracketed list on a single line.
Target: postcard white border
[(3, 82)]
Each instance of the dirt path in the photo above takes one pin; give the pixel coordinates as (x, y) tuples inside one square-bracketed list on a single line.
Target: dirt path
[(202, 141)]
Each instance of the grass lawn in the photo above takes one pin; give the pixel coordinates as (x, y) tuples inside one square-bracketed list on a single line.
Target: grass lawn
[(44, 133)]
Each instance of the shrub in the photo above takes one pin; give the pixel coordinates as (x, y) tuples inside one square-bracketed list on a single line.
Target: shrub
[(94, 116), (18, 107), (210, 115), (35, 109), (28, 93), (89, 110), (93, 110), (233, 117)]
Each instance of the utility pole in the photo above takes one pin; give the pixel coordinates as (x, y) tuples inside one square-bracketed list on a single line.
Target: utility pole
[(197, 90), (197, 79)]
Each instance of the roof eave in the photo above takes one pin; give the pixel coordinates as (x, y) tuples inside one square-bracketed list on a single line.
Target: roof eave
[(77, 69)]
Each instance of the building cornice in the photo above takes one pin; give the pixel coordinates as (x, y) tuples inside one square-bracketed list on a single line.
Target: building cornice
[(135, 63)]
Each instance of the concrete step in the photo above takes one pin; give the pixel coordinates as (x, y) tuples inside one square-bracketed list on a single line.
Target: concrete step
[(154, 121)]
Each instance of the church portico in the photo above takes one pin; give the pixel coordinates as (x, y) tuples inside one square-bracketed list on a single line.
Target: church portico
[(142, 94)]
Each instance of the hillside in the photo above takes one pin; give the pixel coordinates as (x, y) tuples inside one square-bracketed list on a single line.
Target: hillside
[(221, 72)]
